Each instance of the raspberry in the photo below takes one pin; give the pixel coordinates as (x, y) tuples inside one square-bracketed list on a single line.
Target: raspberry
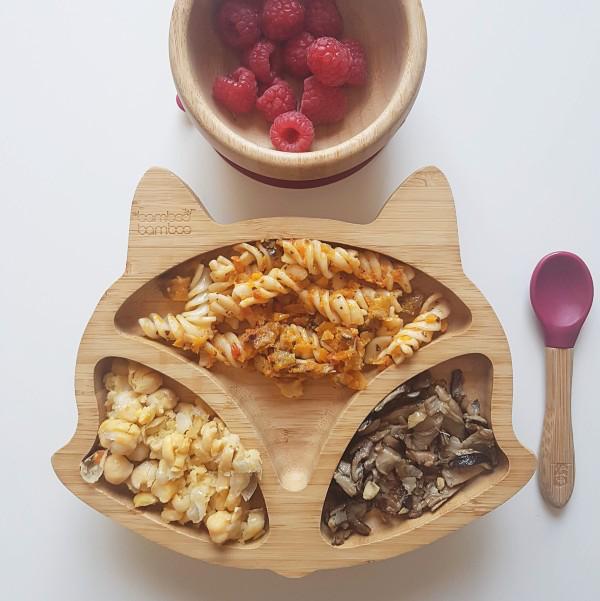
[(292, 132), (322, 104), (264, 60), (238, 23), (323, 18), (358, 68), (237, 91), (294, 55), (330, 61), (282, 19), (276, 100)]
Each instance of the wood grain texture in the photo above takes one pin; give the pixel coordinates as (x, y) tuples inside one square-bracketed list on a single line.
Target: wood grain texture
[(301, 441), (376, 111), (557, 455)]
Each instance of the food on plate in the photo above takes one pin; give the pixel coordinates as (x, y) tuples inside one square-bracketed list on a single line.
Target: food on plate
[(297, 309), (300, 39), (411, 454), (176, 456)]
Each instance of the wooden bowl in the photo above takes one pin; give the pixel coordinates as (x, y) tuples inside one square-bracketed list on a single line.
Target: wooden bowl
[(394, 34), (301, 441)]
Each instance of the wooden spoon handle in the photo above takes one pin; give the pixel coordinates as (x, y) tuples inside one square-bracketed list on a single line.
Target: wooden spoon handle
[(557, 457)]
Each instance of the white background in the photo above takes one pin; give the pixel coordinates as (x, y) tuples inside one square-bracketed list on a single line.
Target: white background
[(509, 109)]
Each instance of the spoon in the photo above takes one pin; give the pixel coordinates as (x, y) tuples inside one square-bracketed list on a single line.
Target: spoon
[(561, 295)]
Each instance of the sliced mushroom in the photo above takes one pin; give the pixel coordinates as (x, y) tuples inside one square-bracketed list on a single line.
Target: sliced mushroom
[(457, 381), (395, 394), (346, 484), (387, 459), (410, 455), (424, 458), (467, 458), (456, 476)]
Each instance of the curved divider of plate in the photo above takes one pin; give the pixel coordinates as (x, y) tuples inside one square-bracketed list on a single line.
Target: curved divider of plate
[(169, 226)]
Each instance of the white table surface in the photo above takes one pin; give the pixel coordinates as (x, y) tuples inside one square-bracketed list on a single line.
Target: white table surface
[(508, 109)]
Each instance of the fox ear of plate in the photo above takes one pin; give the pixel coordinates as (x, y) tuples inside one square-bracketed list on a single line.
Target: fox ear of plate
[(168, 217), (425, 197)]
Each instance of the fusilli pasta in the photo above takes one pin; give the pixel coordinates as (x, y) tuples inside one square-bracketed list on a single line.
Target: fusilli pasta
[(334, 306), (298, 309), (267, 287), (414, 335)]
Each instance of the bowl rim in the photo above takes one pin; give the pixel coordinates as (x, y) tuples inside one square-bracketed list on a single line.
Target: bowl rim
[(310, 165)]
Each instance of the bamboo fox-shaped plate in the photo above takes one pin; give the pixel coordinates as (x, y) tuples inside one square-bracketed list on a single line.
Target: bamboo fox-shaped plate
[(301, 440)]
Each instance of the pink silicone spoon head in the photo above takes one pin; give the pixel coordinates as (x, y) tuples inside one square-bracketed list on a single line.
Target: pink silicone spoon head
[(562, 292)]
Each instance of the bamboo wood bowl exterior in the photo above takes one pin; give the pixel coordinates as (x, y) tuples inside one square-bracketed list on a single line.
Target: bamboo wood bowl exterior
[(394, 35), (301, 441)]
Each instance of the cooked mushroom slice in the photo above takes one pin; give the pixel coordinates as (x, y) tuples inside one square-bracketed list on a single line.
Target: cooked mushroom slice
[(406, 470), (392, 396), (340, 537), (435, 498), (457, 381), (482, 440), (400, 415), (422, 381), (356, 511), (344, 468), (392, 442), (387, 459), (458, 475), (448, 446), (368, 426), (337, 517), (379, 435), (391, 502), (415, 418), (474, 422), (469, 457), (361, 454), (424, 458), (422, 436), (346, 484), (472, 407), (453, 420)]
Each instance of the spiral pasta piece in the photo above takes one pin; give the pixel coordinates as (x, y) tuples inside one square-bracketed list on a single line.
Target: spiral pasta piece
[(222, 270), (381, 271), (266, 287), (320, 258), (413, 335), (224, 348), (188, 330), (255, 254), (178, 330), (333, 305)]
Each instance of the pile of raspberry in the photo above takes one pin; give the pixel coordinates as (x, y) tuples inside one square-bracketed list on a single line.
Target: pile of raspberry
[(301, 39)]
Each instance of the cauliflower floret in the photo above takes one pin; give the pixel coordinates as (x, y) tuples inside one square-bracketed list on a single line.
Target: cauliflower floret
[(119, 436), (116, 382), (143, 476), (143, 379), (162, 400), (125, 405)]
